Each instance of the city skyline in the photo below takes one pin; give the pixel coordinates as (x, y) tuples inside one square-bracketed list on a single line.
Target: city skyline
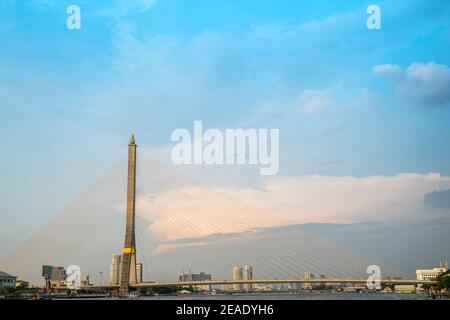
[(217, 230), (126, 275)]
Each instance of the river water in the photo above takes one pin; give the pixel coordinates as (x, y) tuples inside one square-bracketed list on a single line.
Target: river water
[(293, 296)]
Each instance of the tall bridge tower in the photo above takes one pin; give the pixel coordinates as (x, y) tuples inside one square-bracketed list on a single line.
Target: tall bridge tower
[(128, 273)]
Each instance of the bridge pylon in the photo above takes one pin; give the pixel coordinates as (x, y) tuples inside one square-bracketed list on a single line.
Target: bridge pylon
[(128, 274)]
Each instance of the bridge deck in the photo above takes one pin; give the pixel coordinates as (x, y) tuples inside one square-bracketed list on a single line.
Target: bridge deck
[(264, 281)]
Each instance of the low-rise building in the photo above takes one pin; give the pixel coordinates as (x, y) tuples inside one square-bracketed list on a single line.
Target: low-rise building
[(431, 274), (7, 280), (22, 284), (265, 287), (404, 288)]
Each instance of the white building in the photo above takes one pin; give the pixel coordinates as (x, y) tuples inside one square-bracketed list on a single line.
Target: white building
[(7, 280), (308, 276), (247, 274), (139, 270), (431, 274), (115, 269), (237, 275)]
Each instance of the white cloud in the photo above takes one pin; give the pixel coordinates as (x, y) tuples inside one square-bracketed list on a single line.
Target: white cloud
[(313, 101), (195, 211), (388, 70), (346, 199), (43, 4), (143, 5), (125, 7), (426, 83)]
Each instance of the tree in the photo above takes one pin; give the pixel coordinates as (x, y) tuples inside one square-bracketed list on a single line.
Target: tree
[(443, 281), (6, 291)]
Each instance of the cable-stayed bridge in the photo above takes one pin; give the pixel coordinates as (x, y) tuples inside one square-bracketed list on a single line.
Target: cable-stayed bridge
[(175, 224)]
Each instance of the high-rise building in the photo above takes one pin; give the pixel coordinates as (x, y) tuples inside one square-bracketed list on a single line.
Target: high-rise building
[(139, 271), (115, 270), (308, 276), (247, 274), (237, 275), (54, 276), (202, 276), (86, 282), (58, 274)]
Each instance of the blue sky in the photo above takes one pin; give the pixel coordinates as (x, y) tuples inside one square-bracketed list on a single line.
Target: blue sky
[(70, 98)]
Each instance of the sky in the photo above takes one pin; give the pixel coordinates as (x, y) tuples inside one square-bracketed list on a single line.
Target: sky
[(363, 114)]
